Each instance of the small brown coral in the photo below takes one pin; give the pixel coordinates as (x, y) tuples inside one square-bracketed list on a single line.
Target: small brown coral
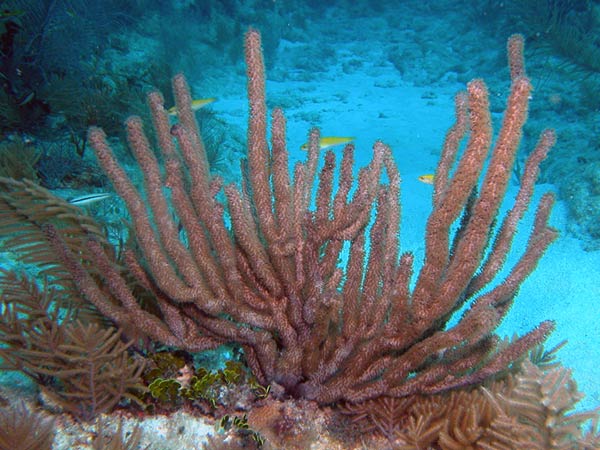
[(529, 409), (83, 368), (18, 159), (21, 429)]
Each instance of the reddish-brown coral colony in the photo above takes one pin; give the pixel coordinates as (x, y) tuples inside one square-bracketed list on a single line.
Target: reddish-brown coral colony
[(263, 269)]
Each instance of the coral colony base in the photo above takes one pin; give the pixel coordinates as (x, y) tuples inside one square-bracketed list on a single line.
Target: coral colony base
[(262, 270)]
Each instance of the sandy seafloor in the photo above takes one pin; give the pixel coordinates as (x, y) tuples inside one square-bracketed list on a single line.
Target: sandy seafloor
[(374, 102)]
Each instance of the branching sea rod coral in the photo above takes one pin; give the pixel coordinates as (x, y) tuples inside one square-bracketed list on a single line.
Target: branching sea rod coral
[(262, 269)]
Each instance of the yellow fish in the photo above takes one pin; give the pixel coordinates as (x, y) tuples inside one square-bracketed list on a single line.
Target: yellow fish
[(330, 141), (427, 179), (196, 105)]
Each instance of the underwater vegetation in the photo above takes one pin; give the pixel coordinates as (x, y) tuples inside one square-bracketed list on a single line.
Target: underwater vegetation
[(569, 26), (566, 27), (66, 65), (32, 35), (23, 430), (18, 160), (39, 80), (257, 267)]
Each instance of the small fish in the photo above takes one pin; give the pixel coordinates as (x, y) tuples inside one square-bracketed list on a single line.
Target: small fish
[(89, 198), (330, 141), (26, 99), (196, 105), (427, 178)]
